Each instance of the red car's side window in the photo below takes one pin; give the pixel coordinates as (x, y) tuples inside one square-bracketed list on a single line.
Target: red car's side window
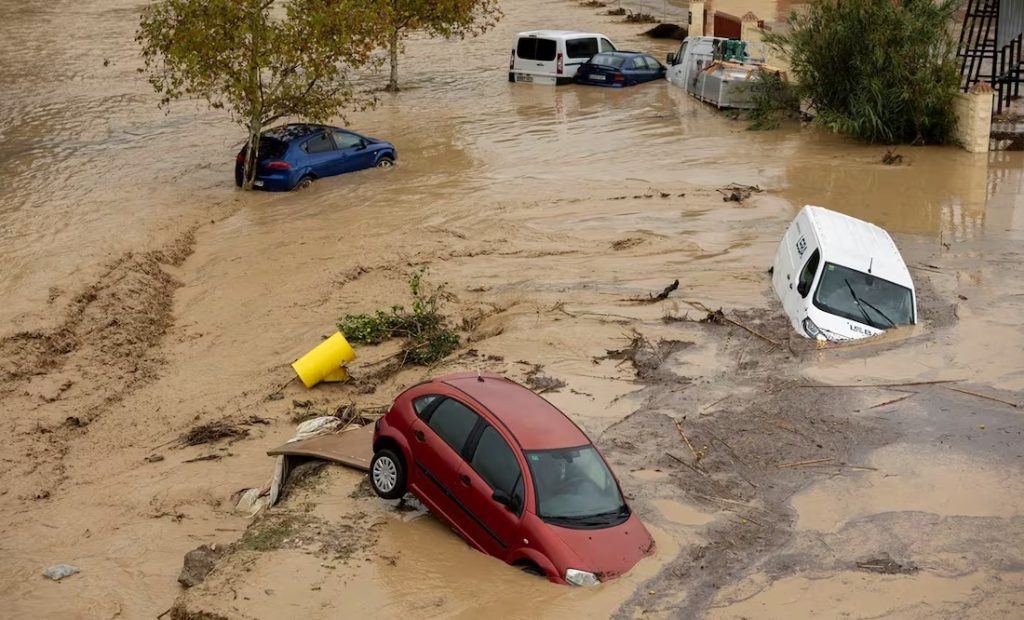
[(423, 405), (453, 422), (495, 462)]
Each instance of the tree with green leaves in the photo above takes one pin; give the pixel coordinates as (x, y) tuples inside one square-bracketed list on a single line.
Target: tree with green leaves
[(877, 70), (445, 18), (261, 60)]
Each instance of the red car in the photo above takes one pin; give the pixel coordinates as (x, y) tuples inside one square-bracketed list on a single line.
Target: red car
[(511, 474)]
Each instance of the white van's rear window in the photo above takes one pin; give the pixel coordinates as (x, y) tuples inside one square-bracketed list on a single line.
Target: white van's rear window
[(581, 48), (531, 48)]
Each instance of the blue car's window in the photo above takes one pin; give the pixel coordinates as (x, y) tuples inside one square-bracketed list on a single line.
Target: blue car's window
[(270, 148), (608, 60), (580, 48), (318, 144), (346, 140)]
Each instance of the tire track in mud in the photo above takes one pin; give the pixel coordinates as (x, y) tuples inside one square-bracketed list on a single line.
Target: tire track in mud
[(55, 382)]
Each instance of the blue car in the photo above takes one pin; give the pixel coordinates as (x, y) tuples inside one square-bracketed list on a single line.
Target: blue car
[(618, 69), (293, 156)]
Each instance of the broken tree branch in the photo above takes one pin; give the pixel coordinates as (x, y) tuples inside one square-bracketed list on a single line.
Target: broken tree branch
[(875, 385), (985, 396), (684, 463), (802, 463), (679, 427), (696, 305), (892, 402)]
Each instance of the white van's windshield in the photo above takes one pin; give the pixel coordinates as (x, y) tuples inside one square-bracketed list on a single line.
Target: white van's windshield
[(863, 297)]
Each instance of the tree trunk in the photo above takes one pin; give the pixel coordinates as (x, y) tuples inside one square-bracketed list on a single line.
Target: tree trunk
[(393, 48), (252, 155)]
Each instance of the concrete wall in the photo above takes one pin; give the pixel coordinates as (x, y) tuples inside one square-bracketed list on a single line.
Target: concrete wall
[(974, 118)]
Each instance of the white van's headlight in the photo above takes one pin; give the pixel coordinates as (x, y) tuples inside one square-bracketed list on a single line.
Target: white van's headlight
[(811, 329), (581, 577)]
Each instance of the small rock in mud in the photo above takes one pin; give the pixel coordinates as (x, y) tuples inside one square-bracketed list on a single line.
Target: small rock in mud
[(60, 571), (198, 564), (154, 458), (887, 566)]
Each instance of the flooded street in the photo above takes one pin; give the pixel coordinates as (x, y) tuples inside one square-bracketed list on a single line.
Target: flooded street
[(143, 294)]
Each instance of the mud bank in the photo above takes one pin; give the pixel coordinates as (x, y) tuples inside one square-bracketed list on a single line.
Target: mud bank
[(546, 211)]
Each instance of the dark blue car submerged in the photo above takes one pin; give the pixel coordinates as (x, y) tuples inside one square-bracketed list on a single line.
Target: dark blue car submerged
[(295, 155), (618, 69)]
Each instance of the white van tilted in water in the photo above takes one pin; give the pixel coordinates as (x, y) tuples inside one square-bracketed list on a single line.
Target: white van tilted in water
[(552, 56), (841, 278)]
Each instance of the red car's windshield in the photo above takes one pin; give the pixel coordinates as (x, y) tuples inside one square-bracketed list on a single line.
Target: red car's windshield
[(574, 486)]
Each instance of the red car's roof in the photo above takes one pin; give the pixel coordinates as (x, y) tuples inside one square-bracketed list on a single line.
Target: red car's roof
[(534, 422)]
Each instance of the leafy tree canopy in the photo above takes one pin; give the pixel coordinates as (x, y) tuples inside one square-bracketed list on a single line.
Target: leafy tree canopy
[(445, 18), (261, 60), (878, 70)]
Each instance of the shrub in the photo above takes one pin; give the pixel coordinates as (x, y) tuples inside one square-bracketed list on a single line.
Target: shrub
[(877, 70), (425, 330), (774, 99)]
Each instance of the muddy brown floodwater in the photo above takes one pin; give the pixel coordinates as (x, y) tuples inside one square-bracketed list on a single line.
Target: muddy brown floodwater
[(142, 295)]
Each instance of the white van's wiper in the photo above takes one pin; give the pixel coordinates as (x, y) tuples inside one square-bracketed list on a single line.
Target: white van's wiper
[(856, 300), (882, 314)]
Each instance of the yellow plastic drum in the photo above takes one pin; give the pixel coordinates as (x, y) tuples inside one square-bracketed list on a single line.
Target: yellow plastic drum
[(324, 363)]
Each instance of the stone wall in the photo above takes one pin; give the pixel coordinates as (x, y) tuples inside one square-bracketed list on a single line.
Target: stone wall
[(974, 118)]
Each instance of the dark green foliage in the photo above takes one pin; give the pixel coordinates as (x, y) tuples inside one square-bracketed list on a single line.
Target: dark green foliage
[(877, 70), (426, 331), (774, 99)]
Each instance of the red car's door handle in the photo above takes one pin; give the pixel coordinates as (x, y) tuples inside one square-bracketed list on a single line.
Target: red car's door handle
[(420, 436), (465, 479)]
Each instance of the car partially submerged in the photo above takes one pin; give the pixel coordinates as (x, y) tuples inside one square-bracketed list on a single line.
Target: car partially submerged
[(841, 278), (294, 155), (618, 69), (511, 474)]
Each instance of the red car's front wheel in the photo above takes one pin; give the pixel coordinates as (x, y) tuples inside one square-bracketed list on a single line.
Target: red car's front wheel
[(387, 474)]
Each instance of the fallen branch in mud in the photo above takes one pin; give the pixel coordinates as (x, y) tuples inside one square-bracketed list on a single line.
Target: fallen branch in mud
[(276, 394), (212, 432), (875, 385), (892, 401), (802, 463), (718, 316), (985, 396), (662, 296), (208, 457), (697, 456), (734, 192), (684, 463)]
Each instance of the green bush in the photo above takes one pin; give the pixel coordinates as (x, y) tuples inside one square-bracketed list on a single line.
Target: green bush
[(877, 70), (425, 330), (774, 99)]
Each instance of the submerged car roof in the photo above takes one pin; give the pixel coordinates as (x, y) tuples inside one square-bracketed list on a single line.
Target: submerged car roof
[(859, 245), (535, 423), (555, 34)]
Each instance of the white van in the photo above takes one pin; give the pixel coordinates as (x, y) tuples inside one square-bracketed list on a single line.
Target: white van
[(841, 278), (552, 56), (696, 53)]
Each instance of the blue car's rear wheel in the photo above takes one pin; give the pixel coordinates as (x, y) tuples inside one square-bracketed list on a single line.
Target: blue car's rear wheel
[(304, 183)]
